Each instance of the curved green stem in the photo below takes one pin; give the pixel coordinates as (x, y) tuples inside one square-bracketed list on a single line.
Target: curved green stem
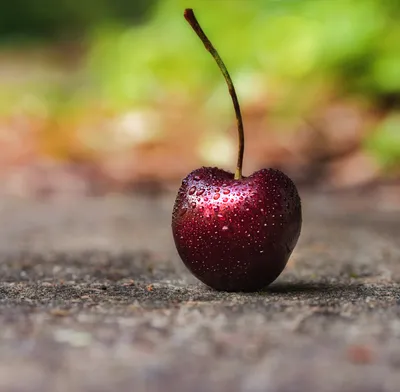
[(191, 18)]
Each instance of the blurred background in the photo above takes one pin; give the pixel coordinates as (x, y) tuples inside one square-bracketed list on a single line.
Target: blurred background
[(102, 96)]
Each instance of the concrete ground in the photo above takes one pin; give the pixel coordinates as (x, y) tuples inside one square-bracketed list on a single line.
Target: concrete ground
[(93, 297)]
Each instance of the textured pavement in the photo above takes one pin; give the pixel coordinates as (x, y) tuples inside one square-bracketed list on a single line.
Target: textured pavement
[(93, 297)]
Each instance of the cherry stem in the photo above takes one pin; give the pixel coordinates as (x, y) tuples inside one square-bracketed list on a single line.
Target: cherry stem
[(191, 18)]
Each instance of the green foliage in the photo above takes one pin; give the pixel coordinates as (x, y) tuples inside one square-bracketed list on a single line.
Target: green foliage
[(49, 19), (291, 41), (295, 50)]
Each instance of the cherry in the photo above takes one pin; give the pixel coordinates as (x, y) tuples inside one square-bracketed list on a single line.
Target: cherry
[(235, 233)]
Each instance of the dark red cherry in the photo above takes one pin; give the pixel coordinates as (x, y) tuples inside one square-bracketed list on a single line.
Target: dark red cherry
[(236, 235)]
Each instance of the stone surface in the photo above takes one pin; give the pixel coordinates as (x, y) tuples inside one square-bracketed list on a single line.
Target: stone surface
[(93, 297)]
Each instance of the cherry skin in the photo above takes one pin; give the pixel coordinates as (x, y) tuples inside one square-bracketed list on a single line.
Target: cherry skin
[(236, 235)]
